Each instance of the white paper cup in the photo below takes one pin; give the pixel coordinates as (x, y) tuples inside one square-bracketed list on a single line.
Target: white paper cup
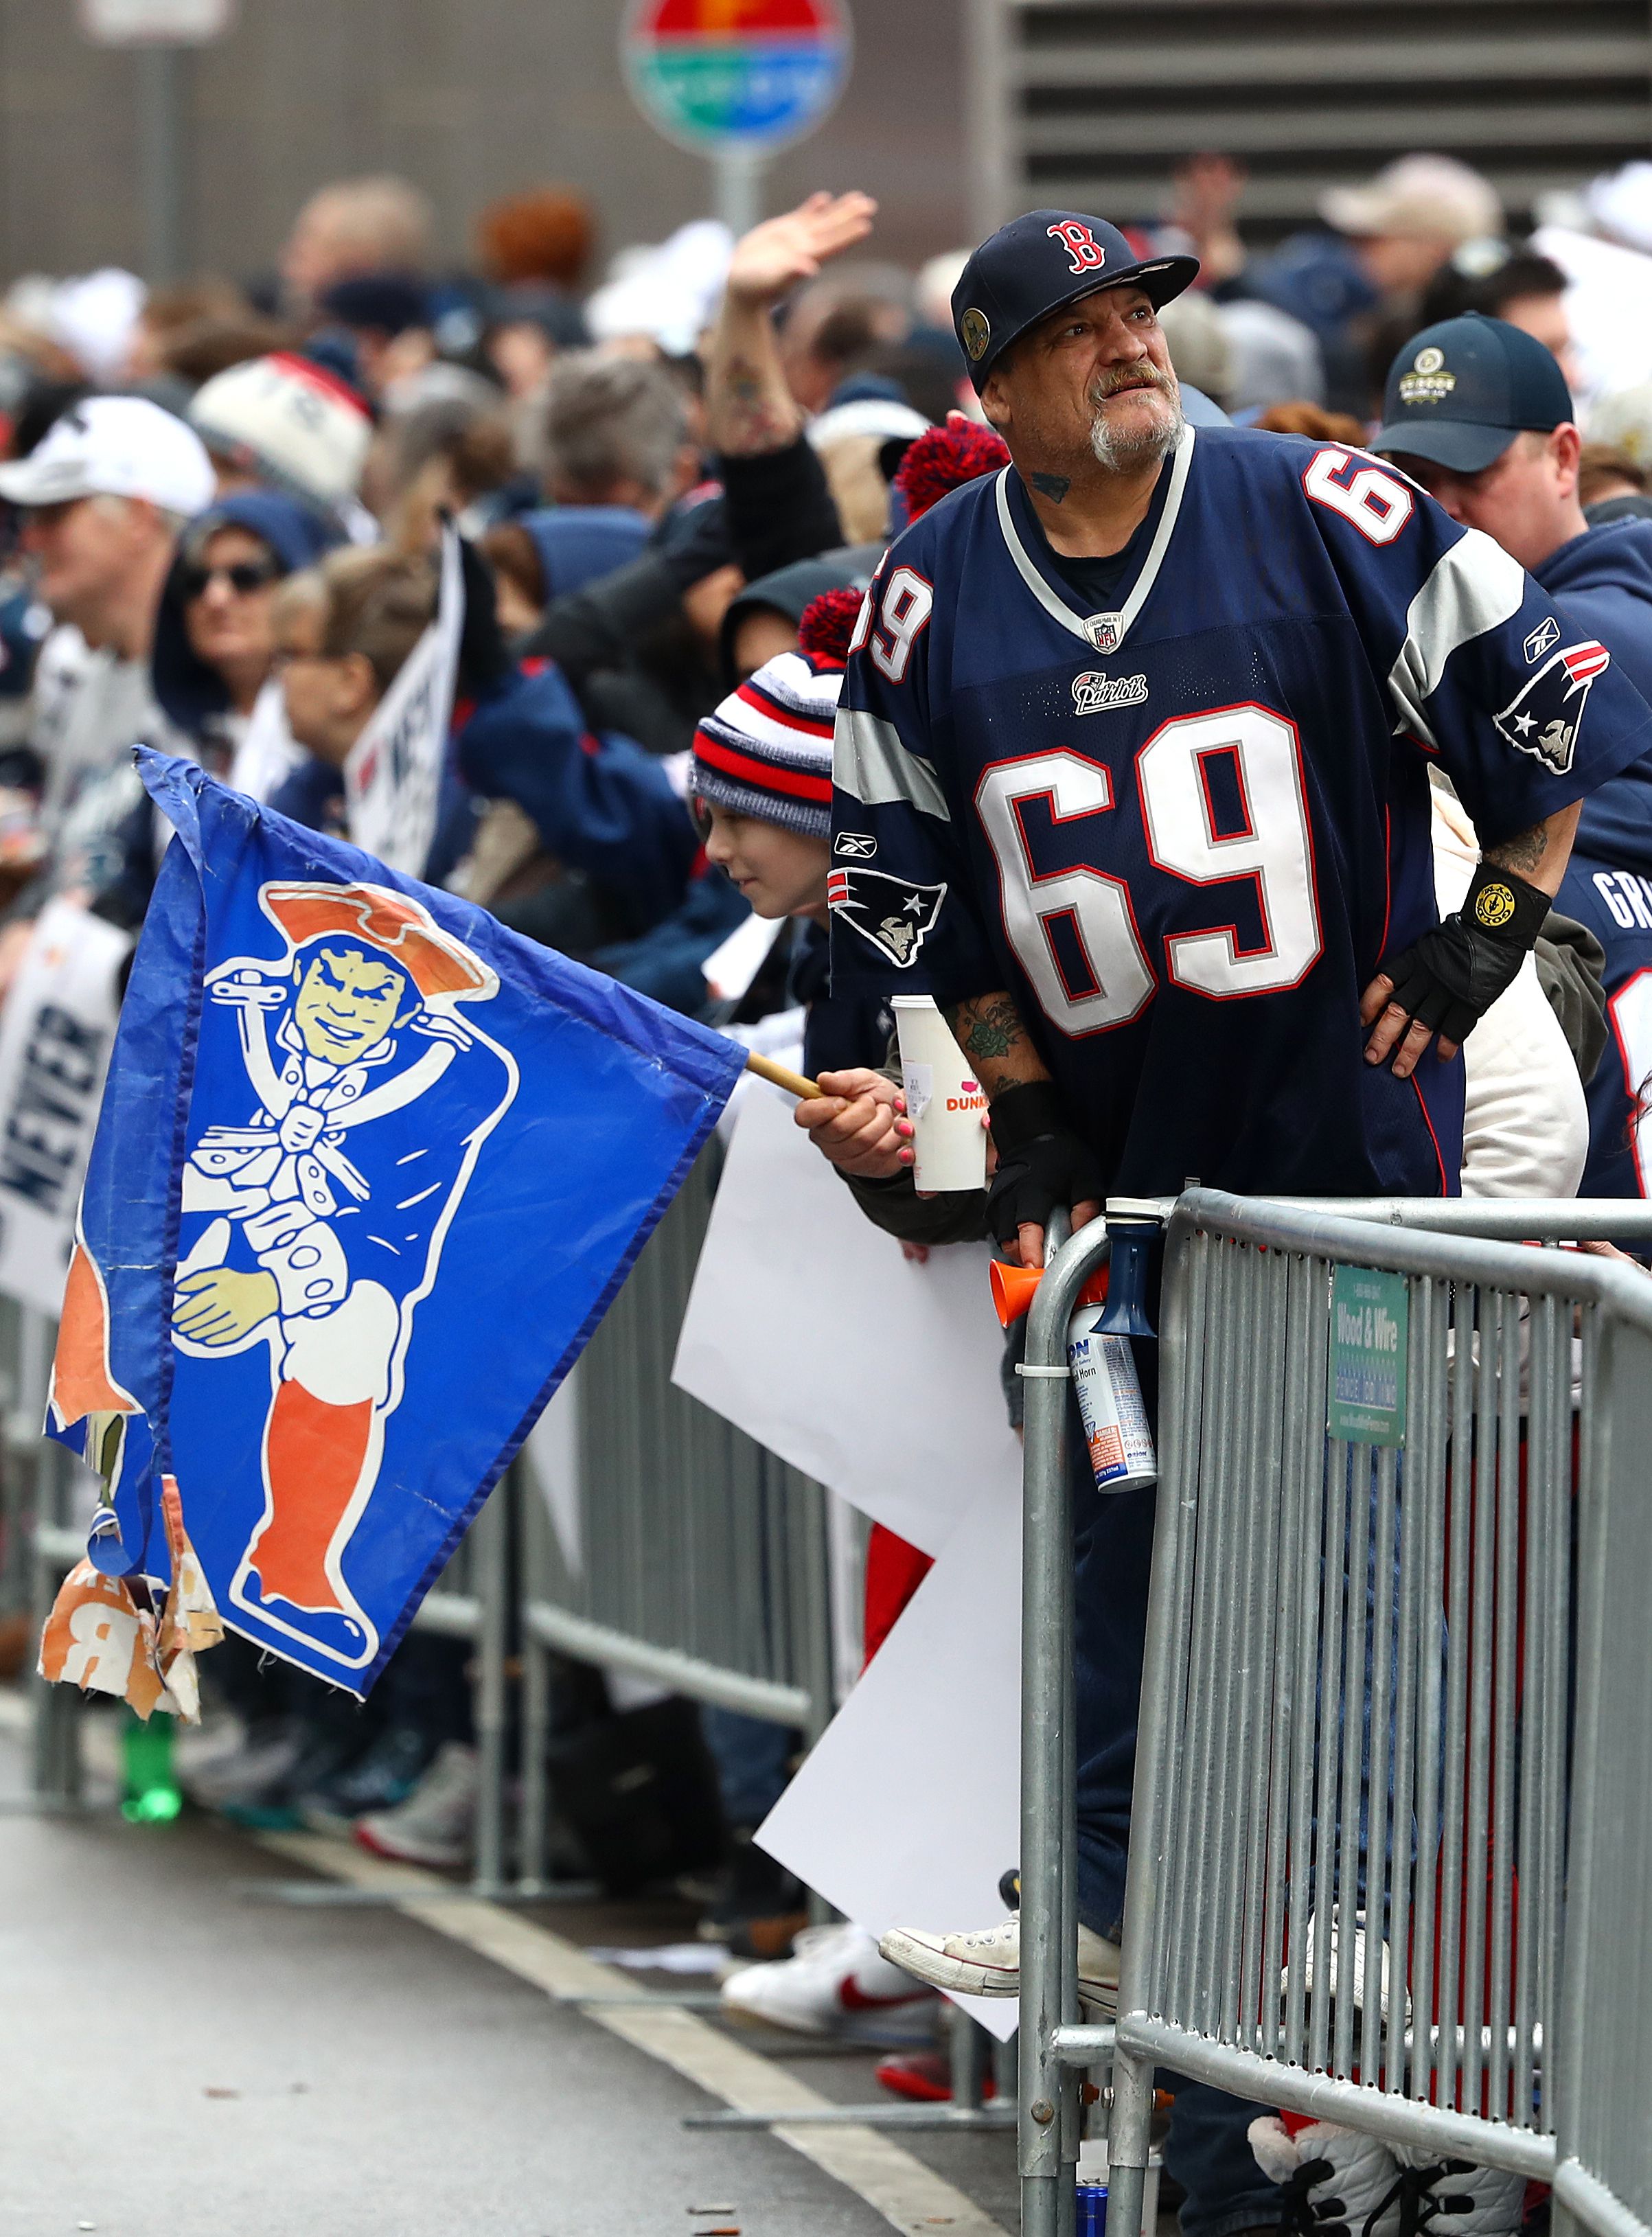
[(944, 1100)]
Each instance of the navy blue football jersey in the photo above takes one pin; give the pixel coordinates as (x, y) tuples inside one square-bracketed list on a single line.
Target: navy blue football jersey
[(1614, 899), (1184, 834)]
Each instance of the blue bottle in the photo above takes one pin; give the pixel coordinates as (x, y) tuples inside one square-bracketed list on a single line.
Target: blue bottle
[(1092, 2218)]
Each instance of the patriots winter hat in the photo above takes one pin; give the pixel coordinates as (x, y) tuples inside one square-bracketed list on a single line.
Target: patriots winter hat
[(1036, 264), (289, 421), (767, 749)]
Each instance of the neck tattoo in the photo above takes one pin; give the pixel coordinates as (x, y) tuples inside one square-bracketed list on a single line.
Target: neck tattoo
[(1054, 486)]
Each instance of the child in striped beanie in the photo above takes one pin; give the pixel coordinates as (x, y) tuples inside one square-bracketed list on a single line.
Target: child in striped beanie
[(761, 783)]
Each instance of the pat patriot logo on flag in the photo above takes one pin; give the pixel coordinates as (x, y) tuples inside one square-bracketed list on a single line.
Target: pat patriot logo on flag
[(1546, 714), (312, 1298)]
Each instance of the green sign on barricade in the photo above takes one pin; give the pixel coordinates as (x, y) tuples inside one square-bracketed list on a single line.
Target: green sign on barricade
[(1370, 1319)]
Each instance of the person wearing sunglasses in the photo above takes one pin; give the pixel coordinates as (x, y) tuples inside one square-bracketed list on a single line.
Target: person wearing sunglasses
[(214, 640)]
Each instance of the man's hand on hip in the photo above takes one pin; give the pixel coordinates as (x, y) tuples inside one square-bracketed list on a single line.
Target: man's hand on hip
[(1444, 982)]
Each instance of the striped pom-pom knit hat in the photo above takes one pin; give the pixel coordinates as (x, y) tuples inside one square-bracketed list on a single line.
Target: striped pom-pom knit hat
[(767, 749)]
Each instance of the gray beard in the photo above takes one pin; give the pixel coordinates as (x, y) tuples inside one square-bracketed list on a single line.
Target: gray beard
[(1117, 453)]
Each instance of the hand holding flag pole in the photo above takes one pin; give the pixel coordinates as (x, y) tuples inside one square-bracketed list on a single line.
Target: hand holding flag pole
[(780, 1075)]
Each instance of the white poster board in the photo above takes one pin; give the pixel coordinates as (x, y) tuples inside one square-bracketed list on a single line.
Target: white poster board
[(267, 753), (393, 778), (808, 1328), (56, 1034), (907, 1810)]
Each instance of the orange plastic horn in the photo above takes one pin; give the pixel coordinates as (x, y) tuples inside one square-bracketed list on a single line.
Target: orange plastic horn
[(1014, 1287)]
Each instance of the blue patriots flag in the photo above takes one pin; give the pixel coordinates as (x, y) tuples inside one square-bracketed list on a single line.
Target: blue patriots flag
[(368, 1172)]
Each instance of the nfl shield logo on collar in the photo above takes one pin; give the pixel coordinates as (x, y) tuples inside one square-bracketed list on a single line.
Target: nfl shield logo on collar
[(1544, 719), (1105, 632)]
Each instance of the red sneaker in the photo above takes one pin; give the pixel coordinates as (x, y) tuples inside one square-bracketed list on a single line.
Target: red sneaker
[(925, 2076)]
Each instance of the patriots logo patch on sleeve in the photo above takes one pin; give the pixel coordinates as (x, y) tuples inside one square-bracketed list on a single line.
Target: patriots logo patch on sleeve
[(895, 915), (1545, 715)]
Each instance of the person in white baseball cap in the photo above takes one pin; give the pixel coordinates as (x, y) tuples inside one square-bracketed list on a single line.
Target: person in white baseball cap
[(104, 494), (114, 446)]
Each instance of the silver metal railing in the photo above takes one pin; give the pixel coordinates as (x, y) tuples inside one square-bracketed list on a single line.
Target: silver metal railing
[(1347, 1855), (1603, 2066), (687, 1554)]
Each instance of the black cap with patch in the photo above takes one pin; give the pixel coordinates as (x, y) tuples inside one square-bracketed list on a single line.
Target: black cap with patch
[(1461, 390), (1036, 264)]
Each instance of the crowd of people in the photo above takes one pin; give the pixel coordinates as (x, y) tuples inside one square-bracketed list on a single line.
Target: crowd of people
[(224, 504)]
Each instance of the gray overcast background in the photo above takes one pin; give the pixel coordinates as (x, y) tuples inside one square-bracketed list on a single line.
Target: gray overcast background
[(470, 98)]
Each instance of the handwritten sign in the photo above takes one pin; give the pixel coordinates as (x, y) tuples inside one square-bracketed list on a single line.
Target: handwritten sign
[(393, 779), (55, 1040)]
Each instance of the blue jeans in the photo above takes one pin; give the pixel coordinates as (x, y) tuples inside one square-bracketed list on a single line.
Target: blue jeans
[(1207, 2151), (753, 1759)]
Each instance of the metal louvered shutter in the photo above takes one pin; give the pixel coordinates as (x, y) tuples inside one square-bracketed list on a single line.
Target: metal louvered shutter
[(1090, 104)]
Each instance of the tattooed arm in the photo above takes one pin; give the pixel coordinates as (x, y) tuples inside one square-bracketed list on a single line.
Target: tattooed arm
[(989, 1030), (749, 406), (1541, 854)]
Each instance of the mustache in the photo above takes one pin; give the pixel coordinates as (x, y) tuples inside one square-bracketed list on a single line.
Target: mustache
[(1117, 380)]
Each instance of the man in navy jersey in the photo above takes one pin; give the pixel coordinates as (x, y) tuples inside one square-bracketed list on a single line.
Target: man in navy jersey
[(1132, 776), (1499, 450)]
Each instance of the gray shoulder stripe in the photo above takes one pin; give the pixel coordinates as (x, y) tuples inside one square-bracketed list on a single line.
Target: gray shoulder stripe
[(1474, 587), (870, 764)]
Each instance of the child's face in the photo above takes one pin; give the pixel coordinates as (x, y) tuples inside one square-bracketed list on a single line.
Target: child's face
[(780, 872)]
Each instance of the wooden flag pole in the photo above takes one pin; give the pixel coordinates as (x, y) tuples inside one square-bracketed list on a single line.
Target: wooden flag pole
[(779, 1076)]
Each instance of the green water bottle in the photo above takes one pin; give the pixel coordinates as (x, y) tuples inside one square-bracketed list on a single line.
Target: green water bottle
[(152, 1794)]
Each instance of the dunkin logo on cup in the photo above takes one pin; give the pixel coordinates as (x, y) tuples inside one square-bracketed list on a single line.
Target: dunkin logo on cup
[(968, 1097)]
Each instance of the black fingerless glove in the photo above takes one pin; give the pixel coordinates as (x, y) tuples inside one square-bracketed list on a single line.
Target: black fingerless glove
[(1448, 979), (1041, 1162)]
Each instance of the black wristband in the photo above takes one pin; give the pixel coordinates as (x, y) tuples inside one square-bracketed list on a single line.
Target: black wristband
[(1023, 1114), (1505, 908)]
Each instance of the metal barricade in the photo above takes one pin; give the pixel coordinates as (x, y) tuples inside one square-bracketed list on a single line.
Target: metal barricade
[(1348, 1910), (687, 1554), (1603, 2068)]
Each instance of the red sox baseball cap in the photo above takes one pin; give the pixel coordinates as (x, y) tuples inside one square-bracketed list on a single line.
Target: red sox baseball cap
[(1037, 264)]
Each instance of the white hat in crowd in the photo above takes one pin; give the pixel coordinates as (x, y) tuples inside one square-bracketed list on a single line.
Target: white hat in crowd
[(668, 290), (1620, 202), (1418, 198), (114, 446), (289, 421), (1623, 421)]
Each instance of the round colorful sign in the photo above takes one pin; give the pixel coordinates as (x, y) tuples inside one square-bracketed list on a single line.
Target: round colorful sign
[(718, 74)]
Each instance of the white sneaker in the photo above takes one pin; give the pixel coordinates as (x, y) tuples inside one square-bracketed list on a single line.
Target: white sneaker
[(1334, 2179), (1454, 2198), (1332, 1955), (437, 1823), (264, 1754), (989, 1963), (834, 1983)]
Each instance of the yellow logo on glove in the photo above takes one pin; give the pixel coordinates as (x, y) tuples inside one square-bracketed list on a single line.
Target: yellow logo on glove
[(1494, 906)]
